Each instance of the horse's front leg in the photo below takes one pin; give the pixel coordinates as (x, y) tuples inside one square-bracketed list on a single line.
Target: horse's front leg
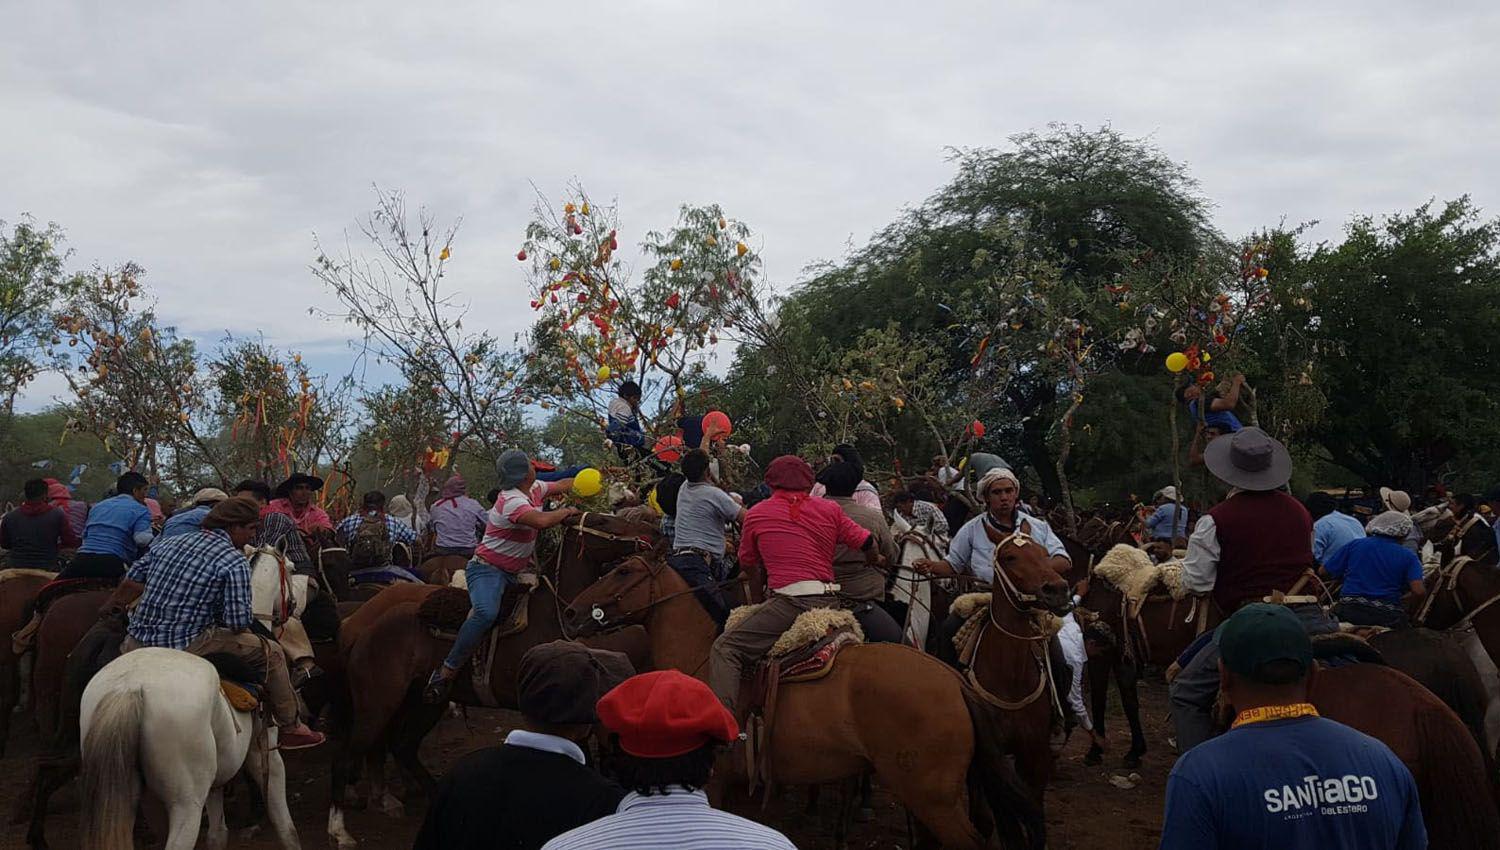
[(1098, 670)]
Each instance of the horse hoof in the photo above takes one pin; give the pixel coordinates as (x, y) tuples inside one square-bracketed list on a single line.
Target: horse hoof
[(865, 814), (1132, 760), (1093, 757)]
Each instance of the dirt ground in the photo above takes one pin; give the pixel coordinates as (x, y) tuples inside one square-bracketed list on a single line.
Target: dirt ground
[(1084, 810)]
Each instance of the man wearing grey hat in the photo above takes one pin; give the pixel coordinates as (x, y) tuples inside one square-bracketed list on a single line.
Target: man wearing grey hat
[(510, 531), (1377, 570), (190, 519), (1252, 545), (537, 785)]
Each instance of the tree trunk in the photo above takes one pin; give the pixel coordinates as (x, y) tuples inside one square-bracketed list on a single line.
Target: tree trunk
[(1064, 448)]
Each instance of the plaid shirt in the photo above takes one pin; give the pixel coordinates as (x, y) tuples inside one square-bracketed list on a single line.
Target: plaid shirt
[(193, 582), (280, 530), (400, 532)]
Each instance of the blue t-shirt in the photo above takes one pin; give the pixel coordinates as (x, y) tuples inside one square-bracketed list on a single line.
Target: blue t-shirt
[(1332, 531), (1375, 568), (1307, 782), (185, 522), (1161, 525), (112, 526), (1224, 420)]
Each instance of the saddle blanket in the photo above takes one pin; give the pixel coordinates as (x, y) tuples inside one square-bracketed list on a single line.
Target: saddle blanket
[(390, 574)]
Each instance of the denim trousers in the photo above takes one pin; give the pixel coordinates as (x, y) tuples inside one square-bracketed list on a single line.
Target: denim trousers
[(486, 588)]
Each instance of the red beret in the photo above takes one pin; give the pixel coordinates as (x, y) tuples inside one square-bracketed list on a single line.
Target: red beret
[(789, 472), (665, 714)]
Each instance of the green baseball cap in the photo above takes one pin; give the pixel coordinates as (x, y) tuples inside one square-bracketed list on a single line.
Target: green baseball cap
[(1260, 633)]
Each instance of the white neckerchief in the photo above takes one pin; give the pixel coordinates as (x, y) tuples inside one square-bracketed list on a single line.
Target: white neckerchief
[(545, 743)]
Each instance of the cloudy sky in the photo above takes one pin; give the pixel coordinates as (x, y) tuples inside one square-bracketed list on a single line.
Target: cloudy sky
[(210, 142)]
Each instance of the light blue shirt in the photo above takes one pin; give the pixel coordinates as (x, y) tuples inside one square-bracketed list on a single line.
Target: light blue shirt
[(971, 551), (1160, 522), (184, 522), (116, 527), (1332, 531), (680, 819)]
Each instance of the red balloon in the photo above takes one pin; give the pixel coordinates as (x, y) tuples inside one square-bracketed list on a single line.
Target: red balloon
[(976, 428), (717, 423), (668, 448)]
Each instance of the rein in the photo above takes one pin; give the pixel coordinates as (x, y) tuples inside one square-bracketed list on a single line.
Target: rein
[(1448, 576), (1035, 644), (596, 611)]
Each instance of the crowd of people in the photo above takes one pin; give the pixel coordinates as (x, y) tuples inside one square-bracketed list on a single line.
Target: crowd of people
[(810, 538)]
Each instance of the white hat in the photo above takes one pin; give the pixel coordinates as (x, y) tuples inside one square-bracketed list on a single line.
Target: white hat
[(399, 507), (982, 486), (1390, 524), (1168, 492), (1395, 500), (209, 496)]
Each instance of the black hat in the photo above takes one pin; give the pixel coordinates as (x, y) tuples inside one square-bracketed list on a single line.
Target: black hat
[(560, 682), (286, 486)]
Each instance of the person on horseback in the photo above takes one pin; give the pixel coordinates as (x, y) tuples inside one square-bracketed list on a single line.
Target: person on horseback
[(862, 585), (865, 492), (190, 519), (1471, 536), (510, 532), (1377, 570), (537, 785), (195, 596), (456, 521), (792, 537), (920, 513), (294, 498), (1256, 543), (1282, 776), (370, 533), (118, 530), (1332, 528), (1168, 523), (1400, 501), (276, 529), (35, 531), (667, 731), (972, 550), (77, 510), (700, 527)]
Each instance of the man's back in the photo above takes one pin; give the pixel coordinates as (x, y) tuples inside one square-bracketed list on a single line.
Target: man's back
[(31, 534), (514, 798), (112, 525), (1332, 531), (679, 820), (193, 582), (1290, 784), (795, 537)]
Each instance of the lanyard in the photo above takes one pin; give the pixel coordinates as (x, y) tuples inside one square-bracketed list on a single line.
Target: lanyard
[(1273, 712)]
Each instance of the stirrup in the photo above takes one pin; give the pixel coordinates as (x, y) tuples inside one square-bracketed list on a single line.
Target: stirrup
[(437, 688)]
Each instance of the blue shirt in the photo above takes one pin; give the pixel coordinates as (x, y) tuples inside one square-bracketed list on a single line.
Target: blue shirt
[(193, 582), (971, 551), (184, 522), (1332, 531), (1161, 525), (1292, 784), (113, 525), (1224, 420), (679, 819), (1375, 568)]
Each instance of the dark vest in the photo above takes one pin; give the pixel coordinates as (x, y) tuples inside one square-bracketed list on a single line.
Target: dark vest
[(1265, 544), (32, 538)]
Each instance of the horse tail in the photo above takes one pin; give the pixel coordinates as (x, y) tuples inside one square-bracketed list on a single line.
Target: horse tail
[(110, 774), (1458, 806), (1017, 814)]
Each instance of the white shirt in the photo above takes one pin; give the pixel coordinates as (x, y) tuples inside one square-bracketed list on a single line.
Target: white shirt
[(545, 743), (678, 820), (1200, 568), (949, 477), (973, 553), (1070, 638)]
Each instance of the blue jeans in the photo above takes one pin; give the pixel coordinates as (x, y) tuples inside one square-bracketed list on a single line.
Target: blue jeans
[(486, 588), (703, 573)]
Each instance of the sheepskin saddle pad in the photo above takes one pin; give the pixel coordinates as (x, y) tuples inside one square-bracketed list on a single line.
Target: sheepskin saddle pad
[(807, 649)]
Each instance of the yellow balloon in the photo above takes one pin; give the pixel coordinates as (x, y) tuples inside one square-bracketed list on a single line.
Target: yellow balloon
[(651, 500), (587, 482), (1176, 361), (604, 373)]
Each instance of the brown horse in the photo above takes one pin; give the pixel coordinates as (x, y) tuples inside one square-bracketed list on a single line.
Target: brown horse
[(440, 569), (1156, 637), (386, 655), (1459, 592), (17, 588), (1009, 665), (884, 707)]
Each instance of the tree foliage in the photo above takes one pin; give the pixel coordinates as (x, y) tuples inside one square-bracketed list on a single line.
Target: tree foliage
[(32, 281)]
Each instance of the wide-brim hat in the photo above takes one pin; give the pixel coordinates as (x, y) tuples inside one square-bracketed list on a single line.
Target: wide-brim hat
[(1395, 500), (285, 487), (1249, 459)]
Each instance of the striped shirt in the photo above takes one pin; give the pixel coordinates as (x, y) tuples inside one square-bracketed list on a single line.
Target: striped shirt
[(678, 820), (507, 544), (193, 582)]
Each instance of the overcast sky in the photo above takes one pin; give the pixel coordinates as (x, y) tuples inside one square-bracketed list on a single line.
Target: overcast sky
[(209, 142)]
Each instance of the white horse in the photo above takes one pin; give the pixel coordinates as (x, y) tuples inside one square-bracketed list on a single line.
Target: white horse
[(157, 717), (916, 542)]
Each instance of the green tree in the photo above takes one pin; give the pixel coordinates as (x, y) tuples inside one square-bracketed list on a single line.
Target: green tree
[(32, 281)]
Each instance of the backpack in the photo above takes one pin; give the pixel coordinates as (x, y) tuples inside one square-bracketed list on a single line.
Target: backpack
[(370, 545)]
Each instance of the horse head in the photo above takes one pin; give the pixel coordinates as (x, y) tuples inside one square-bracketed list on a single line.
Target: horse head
[(620, 598), (274, 591), (1024, 577), (333, 568)]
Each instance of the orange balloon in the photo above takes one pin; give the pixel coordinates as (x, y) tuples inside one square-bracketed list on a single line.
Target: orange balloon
[(716, 423), (668, 448)]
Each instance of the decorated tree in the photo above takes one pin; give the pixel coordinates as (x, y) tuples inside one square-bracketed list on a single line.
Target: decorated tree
[(600, 323), (463, 382), (32, 281), (136, 384)]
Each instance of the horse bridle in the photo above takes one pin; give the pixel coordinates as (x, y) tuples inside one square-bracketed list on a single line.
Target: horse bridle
[(279, 612), (653, 570), (1447, 579)]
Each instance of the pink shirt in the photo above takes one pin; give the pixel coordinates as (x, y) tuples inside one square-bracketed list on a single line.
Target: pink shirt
[(507, 544), (308, 520), (800, 548)]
